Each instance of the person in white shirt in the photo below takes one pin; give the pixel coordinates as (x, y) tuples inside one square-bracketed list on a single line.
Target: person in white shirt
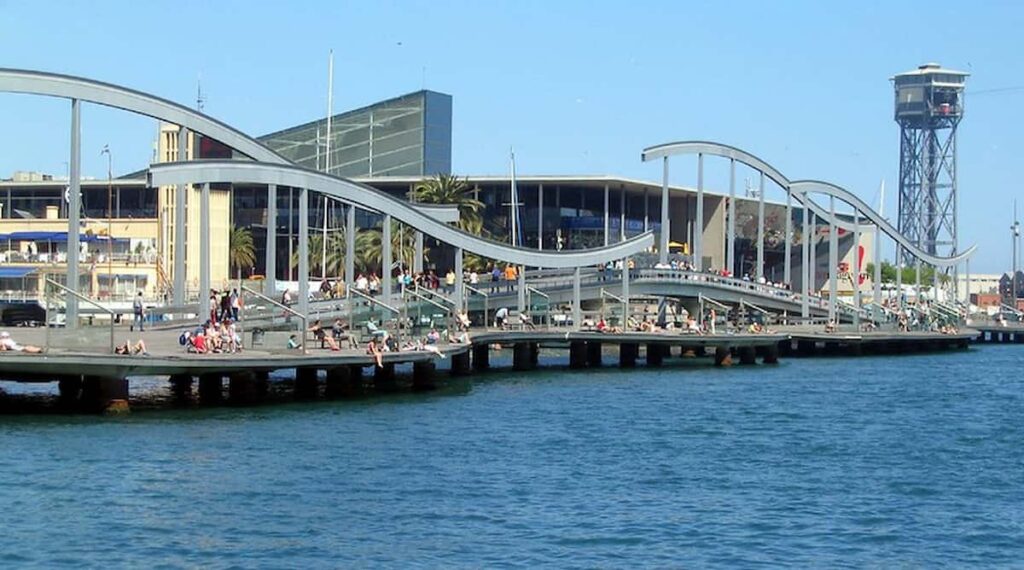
[(7, 343)]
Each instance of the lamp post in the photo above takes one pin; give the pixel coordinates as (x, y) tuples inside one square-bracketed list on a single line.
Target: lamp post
[(110, 222)]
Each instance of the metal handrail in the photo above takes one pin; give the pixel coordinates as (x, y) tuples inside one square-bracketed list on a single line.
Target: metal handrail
[(426, 299), (79, 296), (303, 318), (705, 299), (746, 303), (376, 302), (433, 293)]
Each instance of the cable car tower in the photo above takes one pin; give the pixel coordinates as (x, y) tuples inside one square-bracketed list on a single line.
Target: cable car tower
[(929, 106)]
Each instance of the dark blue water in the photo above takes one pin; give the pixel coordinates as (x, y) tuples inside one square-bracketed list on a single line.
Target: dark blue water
[(908, 461)]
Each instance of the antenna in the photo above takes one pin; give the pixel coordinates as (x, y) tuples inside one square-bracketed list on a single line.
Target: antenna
[(200, 100)]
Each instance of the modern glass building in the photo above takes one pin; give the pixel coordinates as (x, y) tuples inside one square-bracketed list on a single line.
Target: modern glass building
[(410, 135)]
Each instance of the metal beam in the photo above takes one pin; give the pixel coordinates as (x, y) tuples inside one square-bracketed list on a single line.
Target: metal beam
[(787, 270), (350, 192)]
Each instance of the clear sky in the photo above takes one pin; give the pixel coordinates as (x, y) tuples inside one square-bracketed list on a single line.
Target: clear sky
[(576, 87)]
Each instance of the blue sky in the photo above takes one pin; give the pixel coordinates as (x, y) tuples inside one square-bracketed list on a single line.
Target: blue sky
[(576, 87)]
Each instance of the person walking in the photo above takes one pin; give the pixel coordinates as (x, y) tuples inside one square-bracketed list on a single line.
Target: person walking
[(139, 311), (236, 304)]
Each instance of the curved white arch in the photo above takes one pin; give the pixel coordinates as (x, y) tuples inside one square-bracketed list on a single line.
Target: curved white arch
[(800, 189), (202, 171)]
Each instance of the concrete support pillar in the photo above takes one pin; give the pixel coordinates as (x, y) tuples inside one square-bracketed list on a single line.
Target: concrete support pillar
[(245, 387), (102, 394), (747, 355), (540, 217), (384, 377), (771, 354), (481, 357), (722, 356), (628, 353), (270, 279), (423, 376), (577, 308), (807, 268), (833, 260), (460, 364), (655, 355), (204, 247), (70, 390), (577, 354), (522, 358), (417, 262), (307, 385), (856, 267), (594, 354), (622, 213), (181, 388), (342, 381), (74, 208), (211, 388)]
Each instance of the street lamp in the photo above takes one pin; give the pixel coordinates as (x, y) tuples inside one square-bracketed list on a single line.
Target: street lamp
[(110, 222)]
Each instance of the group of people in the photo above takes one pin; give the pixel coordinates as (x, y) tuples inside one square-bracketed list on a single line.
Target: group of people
[(212, 338), (226, 307)]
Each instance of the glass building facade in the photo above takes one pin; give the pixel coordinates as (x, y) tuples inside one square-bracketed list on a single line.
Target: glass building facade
[(409, 135)]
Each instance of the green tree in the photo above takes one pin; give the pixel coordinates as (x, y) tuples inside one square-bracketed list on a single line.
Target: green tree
[(370, 251), (450, 189), (242, 250), (909, 275)]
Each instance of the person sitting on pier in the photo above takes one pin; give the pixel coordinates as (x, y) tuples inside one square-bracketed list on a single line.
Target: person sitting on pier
[(293, 343), (318, 332), (501, 318), (127, 348), (373, 348), (7, 344), (603, 326), (526, 321), (831, 326), (197, 342), (692, 326), (462, 321), (755, 328), (338, 333)]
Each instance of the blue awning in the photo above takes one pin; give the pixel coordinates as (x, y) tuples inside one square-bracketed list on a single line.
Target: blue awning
[(36, 236), (15, 272)]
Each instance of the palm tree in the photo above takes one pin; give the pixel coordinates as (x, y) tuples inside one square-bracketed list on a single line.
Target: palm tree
[(369, 250), (242, 250), (335, 253), (450, 189)]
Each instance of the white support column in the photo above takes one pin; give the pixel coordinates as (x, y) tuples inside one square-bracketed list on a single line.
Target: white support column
[(730, 238), (805, 261), (577, 310), (350, 245), (833, 259), (204, 245), (270, 280), (899, 276), (877, 277), (967, 282), (459, 289), (540, 217), (625, 293), (647, 211), (520, 288), (760, 230), (607, 218), (417, 263), (303, 292), (180, 223), (787, 268), (386, 260), (622, 213), (664, 234), (74, 207), (856, 266), (698, 228)]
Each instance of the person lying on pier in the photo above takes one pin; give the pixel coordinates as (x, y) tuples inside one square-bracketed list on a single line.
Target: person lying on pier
[(318, 332), (127, 348), (7, 344), (692, 327), (373, 348), (420, 346)]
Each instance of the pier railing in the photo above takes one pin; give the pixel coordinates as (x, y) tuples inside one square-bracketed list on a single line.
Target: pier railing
[(288, 310), (77, 336)]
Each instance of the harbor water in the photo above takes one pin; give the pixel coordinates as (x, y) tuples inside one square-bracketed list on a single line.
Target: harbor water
[(907, 461)]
